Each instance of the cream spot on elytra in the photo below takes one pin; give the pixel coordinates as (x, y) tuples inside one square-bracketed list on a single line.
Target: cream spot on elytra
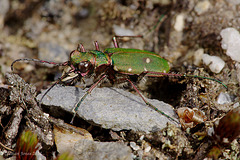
[(115, 68), (148, 60)]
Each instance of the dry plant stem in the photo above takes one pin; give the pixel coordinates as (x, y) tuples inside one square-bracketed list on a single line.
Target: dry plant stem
[(12, 131), (38, 122), (36, 114), (6, 147), (43, 137)]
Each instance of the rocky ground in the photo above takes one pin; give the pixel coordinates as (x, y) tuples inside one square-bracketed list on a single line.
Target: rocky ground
[(113, 122)]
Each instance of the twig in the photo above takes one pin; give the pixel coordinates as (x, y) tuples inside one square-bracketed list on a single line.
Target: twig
[(6, 147)]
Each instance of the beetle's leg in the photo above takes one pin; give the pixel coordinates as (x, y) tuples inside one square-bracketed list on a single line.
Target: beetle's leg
[(85, 95), (149, 104), (146, 102), (80, 48), (140, 77), (115, 43), (96, 45)]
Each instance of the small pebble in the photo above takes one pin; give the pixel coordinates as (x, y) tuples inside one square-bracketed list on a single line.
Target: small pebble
[(147, 149), (198, 56), (179, 24), (224, 98), (202, 7), (122, 31), (83, 13), (236, 105), (141, 138), (231, 42), (134, 146), (215, 63), (66, 139), (210, 131)]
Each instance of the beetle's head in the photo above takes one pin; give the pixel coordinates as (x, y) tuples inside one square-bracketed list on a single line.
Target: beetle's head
[(85, 67), (83, 62)]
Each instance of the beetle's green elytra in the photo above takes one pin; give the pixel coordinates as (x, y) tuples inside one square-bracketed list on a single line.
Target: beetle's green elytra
[(135, 61)]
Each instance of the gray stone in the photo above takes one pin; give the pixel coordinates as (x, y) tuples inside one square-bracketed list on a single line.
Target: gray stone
[(111, 108), (87, 149)]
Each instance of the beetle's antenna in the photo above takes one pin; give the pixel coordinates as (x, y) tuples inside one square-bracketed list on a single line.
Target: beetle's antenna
[(183, 75), (45, 93), (40, 61), (202, 77), (158, 25)]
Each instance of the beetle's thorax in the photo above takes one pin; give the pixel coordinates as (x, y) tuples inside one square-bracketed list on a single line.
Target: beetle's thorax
[(101, 58)]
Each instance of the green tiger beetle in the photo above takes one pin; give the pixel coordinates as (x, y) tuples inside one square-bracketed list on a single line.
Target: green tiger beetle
[(106, 64)]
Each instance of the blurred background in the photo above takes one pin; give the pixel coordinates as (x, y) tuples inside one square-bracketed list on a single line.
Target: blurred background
[(181, 31)]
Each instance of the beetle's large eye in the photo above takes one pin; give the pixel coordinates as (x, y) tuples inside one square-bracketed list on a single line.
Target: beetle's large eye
[(84, 66)]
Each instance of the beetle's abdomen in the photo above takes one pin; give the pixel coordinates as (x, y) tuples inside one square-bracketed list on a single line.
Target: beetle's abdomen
[(134, 61)]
